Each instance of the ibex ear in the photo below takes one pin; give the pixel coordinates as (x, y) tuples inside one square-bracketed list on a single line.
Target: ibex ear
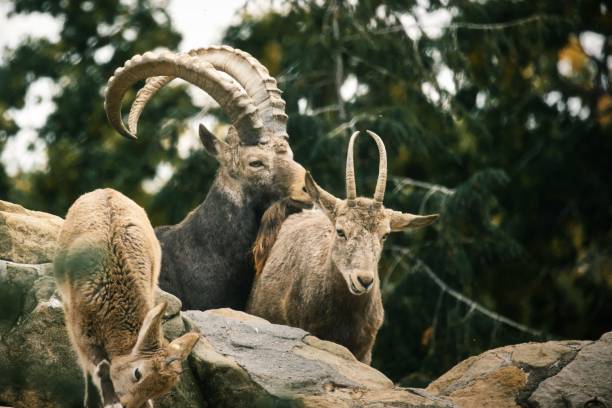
[(180, 348), (325, 200), (212, 144), (400, 221), (150, 335)]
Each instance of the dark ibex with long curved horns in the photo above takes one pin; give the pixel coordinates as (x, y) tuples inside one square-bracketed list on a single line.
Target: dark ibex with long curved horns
[(206, 258), (321, 274)]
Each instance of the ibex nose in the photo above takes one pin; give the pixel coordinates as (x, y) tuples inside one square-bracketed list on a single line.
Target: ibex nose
[(365, 279)]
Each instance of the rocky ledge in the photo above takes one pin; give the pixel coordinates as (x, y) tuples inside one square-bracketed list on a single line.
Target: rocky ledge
[(245, 361)]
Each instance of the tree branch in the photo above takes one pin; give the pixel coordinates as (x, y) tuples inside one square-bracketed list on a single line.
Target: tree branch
[(473, 305), (339, 64), (402, 182), (471, 26)]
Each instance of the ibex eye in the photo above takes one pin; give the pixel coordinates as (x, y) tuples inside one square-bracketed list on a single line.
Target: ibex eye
[(341, 233), (256, 163), (137, 375), (385, 236)]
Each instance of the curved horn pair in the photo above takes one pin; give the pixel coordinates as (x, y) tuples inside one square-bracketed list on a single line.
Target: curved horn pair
[(249, 73), (381, 182), (257, 111)]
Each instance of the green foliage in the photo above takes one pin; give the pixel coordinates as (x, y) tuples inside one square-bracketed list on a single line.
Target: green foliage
[(515, 157), (84, 152), (525, 226)]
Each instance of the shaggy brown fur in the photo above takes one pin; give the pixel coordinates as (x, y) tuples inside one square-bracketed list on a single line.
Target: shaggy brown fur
[(106, 268), (271, 223)]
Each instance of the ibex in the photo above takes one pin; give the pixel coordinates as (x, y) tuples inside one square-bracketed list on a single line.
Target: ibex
[(207, 260), (106, 268), (321, 273)]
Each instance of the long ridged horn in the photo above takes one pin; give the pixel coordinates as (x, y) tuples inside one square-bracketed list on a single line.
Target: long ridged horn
[(351, 189), (381, 182), (245, 69), (232, 98)]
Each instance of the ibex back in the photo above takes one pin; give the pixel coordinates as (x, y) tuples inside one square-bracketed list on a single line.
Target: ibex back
[(106, 267)]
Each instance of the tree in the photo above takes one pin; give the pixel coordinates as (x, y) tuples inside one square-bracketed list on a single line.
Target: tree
[(84, 153), (480, 124)]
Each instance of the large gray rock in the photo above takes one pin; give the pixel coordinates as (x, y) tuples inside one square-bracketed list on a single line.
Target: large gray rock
[(244, 360)]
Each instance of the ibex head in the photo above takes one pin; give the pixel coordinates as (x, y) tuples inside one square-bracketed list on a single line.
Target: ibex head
[(262, 169), (255, 156), (153, 367), (362, 224)]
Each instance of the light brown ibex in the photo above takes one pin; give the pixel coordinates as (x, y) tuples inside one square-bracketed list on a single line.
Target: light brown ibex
[(321, 273), (106, 268)]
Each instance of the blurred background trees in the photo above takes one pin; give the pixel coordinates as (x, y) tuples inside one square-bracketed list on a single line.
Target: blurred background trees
[(83, 152), (496, 114)]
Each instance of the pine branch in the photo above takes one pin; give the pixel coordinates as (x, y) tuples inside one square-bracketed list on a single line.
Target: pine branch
[(506, 24), (350, 124), (325, 109), (432, 189), (402, 182), (471, 26), (339, 66), (473, 305)]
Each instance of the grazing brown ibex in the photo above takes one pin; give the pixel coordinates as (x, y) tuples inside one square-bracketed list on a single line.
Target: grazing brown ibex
[(321, 273), (207, 261), (106, 268)]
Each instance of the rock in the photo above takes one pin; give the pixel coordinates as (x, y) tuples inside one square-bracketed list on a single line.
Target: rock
[(586, 381), (27, 237), (173, 322), (21, 288), (244, 360), (37, 365), (173, 304), (551, 374)]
